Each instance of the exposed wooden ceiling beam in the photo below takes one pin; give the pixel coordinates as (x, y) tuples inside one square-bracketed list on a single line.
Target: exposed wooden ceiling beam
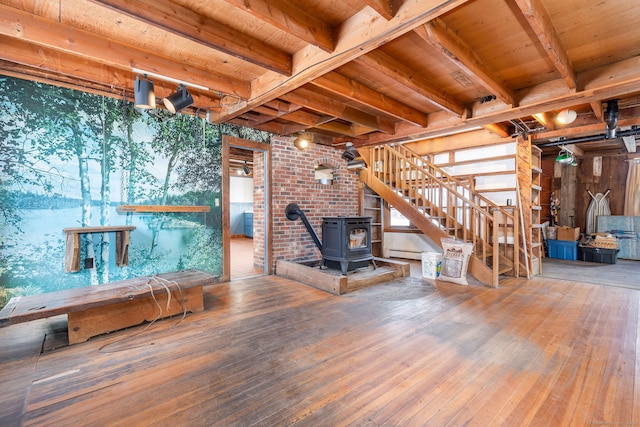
[(290, 18), (404, 75), (25, 61), (498, 129), (341, 128), (361, 33), (347, 88), (536, 15), (183, 22), (601, 83), (545, 120), (598, 110), (282, 107), (21, 25), (308, 119), (333, 107), (436, 33), (386, 8)]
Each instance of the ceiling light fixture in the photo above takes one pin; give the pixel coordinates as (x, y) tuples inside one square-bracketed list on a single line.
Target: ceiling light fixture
[(350, 153), (178, 100), (143, 94), (567, 116), (565, 157), (246, 169), (302, 142), (169, 79)]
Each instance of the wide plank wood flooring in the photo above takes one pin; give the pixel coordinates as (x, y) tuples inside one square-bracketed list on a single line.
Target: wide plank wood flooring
[(268, 351)]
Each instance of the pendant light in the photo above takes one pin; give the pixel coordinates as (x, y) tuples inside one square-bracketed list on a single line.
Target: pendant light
[(565, 157)]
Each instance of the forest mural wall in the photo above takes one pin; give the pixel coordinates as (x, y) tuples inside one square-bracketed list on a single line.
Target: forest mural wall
[(70, 158)]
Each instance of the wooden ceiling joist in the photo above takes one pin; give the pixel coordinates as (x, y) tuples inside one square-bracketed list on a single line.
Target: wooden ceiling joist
[(386, 8), (539, 20), (74, 41), (351, 43), (367, 71), (333, 107), (291, 19), (354, 91), (393, 68), (436, 33), (183, 22)]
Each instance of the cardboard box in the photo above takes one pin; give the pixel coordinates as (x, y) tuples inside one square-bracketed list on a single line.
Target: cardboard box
[(568, 233)]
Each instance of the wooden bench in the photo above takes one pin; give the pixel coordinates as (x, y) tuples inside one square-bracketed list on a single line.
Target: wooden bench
[(95, 310)]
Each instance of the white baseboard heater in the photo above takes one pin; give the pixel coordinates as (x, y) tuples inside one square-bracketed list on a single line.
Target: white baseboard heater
[(403, 253)]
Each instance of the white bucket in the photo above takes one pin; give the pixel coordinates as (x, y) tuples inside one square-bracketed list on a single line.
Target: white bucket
[(431, 263)]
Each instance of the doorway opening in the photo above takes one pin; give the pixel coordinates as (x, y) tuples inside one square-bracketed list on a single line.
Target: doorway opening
[(246, 233)]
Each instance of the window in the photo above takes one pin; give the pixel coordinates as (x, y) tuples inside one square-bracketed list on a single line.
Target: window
[(395, 220)]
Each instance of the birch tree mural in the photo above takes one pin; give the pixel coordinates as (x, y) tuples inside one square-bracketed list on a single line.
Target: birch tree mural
[(68, 159)]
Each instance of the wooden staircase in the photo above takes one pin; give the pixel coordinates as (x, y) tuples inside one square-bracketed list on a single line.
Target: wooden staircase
[(440, 205)]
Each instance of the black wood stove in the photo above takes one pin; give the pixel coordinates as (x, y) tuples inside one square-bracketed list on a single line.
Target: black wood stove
[(346, 244)]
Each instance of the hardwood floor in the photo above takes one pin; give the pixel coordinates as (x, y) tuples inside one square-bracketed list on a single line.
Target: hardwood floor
[(242, 259), (269, 351)]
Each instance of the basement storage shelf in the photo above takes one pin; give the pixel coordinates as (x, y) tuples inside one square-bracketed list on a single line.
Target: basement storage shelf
[(563, 249)]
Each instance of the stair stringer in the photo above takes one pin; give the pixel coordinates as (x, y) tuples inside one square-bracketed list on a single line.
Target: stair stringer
[(477, 268)]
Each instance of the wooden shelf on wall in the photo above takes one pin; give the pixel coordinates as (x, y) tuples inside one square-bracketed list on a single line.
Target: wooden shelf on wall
[(161, 208), (72, 250)]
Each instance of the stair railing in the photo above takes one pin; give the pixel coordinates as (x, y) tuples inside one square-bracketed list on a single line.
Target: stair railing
[(450, 204)]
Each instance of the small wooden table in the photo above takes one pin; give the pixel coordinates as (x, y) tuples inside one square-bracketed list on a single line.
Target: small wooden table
[(72, 250)]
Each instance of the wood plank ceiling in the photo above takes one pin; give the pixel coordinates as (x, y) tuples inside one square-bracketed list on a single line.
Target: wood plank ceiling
[(367, 71)]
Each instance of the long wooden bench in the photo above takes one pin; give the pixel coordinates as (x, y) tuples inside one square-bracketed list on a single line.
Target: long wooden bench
[(95, 310)]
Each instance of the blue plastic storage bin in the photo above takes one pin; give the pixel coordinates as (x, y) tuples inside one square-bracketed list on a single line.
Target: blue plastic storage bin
[(562, 249)]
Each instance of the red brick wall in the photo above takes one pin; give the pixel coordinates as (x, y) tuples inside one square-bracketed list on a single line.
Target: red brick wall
[(293, 181), (258, 210)]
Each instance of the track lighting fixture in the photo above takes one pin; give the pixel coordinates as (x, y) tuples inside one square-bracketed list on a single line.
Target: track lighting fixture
[(567, 116), (246, 169), (144, 96), (178, 100)]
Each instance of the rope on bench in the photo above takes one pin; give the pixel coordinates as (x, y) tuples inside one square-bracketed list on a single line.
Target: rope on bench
[(165, 283)]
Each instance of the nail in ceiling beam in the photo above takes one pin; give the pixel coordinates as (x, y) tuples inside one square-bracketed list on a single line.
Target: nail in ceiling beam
[(185, 23), (393, 68), (65, 38), (539, 20), (357, 92), (291, 19), (438, 35)]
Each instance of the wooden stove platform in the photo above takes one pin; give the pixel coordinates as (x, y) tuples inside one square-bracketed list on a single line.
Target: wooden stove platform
[(335, 282)]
